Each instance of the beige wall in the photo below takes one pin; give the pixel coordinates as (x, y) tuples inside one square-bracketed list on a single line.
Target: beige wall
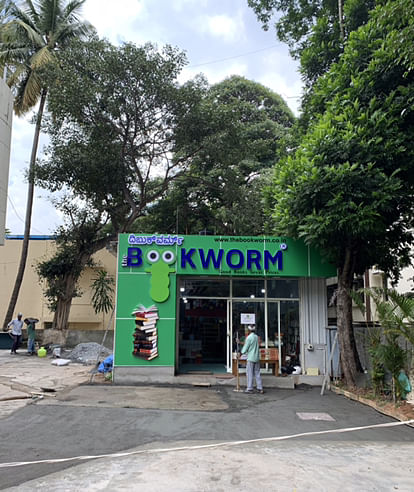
[(31, 301)]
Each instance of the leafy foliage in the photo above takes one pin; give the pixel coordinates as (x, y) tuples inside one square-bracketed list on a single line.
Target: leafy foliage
[(54, 271), (222, 190), (396, 314), (31, 40), (113, 143), (72, 254), (86, 230), (349, 188), (103, 292), (374, 339), (313, 28), (350, 185), (115, 146)]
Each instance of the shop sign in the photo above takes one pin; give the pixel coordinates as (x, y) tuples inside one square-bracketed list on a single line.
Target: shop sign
[(158, 240), (162, 255), (233, 258), (247, 318)]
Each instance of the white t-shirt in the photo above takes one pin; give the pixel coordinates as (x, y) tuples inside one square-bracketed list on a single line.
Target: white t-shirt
[(17, 326)]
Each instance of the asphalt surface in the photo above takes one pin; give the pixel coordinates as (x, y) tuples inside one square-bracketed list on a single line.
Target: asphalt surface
[(67, 428)]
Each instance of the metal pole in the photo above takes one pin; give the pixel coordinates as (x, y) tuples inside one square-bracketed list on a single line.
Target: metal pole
[(237, 364), (326, 378)]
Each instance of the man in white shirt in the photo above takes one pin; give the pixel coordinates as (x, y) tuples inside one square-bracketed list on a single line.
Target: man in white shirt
[(17, 325)]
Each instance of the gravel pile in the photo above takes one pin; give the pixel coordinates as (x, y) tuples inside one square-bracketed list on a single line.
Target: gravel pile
[(87, 353)]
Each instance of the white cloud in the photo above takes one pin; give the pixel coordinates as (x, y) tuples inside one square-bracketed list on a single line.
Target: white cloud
[(115, 20), (281, 77), (222, 26), (181, 5), (290, 92), (214, 74)]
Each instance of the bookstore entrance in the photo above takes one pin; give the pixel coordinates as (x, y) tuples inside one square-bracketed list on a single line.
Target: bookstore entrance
[(211, 329), (204, 291), (203, 335)]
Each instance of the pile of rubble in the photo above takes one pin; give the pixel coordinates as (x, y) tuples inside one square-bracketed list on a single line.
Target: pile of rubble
[(87, 353)]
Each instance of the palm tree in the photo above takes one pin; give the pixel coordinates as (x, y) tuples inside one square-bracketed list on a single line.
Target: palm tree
[(30, 39)]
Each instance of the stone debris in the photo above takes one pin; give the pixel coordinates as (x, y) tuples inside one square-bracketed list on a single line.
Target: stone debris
[(87, 353)]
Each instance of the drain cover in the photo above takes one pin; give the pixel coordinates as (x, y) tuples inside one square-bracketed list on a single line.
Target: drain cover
[(315, 416)]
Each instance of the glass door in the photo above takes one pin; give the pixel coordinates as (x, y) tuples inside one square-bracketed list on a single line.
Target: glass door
[(238, 330), (283, 331), (273, 324), (229, 338), (274, 337), (203, 335)]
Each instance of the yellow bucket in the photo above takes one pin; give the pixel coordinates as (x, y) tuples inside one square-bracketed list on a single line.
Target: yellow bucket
[(41, 352)]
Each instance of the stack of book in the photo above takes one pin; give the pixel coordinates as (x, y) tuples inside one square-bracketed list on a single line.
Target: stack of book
[(145, 334)]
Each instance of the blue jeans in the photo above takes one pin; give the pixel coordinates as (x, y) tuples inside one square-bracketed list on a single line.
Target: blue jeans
[(31, 345), (253, 371)]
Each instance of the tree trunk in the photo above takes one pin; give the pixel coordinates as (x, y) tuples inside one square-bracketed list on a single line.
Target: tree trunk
[(358, 364), (341, 20), (344, 314), (64, 303), (28, 219)]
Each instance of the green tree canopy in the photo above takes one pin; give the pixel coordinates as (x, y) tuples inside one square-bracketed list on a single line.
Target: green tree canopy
[(116, 144), (349, 189), (120, 140), (315, 30), (30, 41), (222, 190)]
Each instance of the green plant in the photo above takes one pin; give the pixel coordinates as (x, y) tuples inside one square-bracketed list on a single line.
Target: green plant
[(102, 292), (396, 314), (377, 372), (394, 359), (373, 337)]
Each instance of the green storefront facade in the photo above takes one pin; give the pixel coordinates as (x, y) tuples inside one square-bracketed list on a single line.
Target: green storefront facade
[(184, 301)]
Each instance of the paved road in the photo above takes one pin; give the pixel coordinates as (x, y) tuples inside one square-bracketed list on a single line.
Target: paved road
[(300, 467), (374, 459)]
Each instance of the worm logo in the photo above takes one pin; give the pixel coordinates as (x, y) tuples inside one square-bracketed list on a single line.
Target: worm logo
[(159, 269), (160, 273)]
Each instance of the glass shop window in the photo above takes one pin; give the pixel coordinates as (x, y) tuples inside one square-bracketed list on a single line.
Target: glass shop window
[(204, 288), (283, 288), (252, 288)]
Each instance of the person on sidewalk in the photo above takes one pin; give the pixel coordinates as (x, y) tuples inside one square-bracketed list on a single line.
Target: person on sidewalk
[(31, 336), (16, 332), (251, 348)]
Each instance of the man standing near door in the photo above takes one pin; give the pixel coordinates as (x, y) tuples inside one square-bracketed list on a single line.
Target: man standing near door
[(251, 348)]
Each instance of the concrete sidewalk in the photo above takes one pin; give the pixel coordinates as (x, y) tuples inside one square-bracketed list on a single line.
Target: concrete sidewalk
[(23, 376)]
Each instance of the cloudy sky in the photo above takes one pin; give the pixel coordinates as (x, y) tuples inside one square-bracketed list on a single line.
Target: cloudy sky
[(220, 38)]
